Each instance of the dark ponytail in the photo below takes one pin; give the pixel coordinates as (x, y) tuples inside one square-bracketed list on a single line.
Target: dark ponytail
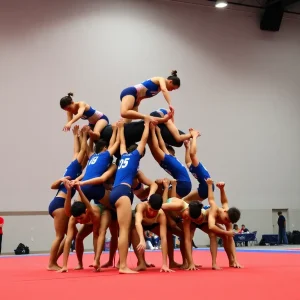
[(175, 80), (66, 101)]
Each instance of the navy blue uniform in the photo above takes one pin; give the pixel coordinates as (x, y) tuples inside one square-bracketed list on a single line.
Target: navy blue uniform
[(201, 174), (126, 173), (73, 170), (177, 170)]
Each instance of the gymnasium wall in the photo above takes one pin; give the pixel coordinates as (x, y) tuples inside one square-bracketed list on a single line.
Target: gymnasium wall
[(240, 88)]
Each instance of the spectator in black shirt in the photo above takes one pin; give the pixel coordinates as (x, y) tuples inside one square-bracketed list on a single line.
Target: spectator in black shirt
[(282, 237), (244, 229)]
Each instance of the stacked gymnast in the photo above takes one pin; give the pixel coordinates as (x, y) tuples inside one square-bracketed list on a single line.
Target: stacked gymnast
[(168, 206)]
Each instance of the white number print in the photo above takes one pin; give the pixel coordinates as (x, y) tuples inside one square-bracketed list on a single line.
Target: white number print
[(123, 163), (93, 160)]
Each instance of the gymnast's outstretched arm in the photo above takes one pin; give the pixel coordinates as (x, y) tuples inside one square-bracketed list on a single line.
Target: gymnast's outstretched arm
[(120, 126), (148, 182), (114, 142), (161, 142)]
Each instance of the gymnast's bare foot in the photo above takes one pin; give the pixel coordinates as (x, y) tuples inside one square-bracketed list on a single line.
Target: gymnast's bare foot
[(63, 270), (93, 135), (215, 267), (184, 266), (96, 266), (194, 132), (236, 265), (141, 267), (150, 265), (79, 267), (107, 265), (53, 267), (126, 270), (174, 265)]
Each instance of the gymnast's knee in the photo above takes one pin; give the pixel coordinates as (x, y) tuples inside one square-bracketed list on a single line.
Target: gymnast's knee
[(212, 235)]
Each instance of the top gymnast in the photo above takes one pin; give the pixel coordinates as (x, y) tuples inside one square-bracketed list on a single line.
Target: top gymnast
[(131, 97), (81, 110)]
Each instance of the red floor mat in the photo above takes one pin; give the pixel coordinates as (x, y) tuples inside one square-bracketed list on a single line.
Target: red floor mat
[(265, 276)]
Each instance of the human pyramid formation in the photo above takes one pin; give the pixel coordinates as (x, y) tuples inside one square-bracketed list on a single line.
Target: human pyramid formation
[(167, 207)]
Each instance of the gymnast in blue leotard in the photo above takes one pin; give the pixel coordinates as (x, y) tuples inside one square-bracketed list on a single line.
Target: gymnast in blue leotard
[(197, 169), (99, 168), (164, 115), (56, 206), (121, 196), (131, 97), (81, 110), (165, 156)]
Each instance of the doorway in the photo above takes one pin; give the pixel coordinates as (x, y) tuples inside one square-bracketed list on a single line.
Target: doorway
[(275, 218)]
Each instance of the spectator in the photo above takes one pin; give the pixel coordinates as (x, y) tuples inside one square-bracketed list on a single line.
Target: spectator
[(244, 229), (236, 228), (1, 231), (282, 237), (148, 238)]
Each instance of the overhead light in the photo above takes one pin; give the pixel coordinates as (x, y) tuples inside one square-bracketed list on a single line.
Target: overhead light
[(221, 3)]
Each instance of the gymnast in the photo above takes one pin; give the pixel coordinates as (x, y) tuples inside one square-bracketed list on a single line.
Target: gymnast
[(99, 161), (210, 219), (168, 119), (185, 212), (142, 188), (97, 216), (165, 156), (56, 207), (196, 168), (133, 132), (149, 216), (121, 196), (81, 110), (131, 97), (99, 169)]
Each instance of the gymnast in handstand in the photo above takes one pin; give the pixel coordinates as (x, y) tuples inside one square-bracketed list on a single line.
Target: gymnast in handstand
[(165, 156), (196, 168)]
